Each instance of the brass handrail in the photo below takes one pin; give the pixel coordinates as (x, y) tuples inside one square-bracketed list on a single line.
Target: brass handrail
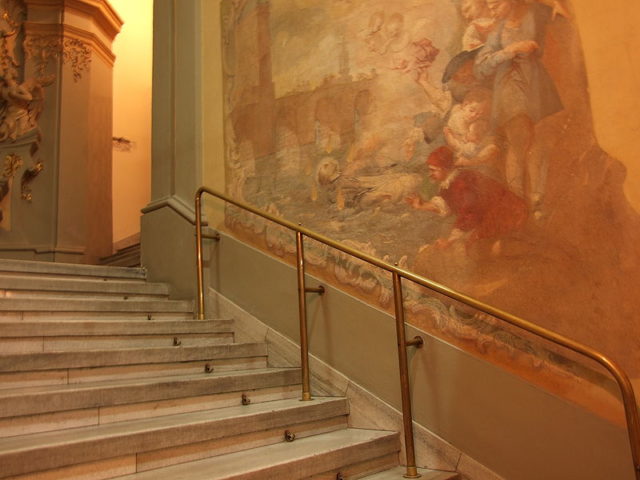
[(626, 388)]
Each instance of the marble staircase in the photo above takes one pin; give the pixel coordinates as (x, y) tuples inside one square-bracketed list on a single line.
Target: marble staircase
[(103, 376), (125, 257)]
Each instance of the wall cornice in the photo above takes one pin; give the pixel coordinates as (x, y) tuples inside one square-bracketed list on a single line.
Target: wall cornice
[(102, 13)]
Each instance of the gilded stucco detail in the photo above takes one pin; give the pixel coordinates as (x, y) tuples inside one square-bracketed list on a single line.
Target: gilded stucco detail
[(41, 49), (29, 176), (10, 166), (12, 163), (77, 54), (21, 99)]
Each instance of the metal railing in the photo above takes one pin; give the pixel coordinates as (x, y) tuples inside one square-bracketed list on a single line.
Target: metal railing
[(622, 379)]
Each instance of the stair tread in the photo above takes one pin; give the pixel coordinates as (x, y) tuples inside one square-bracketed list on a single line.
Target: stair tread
[(282, 454), (30, 328), (133, 382), (93, 304), (7, 265), (157, 426), (36, 282), (131, 248), (81, 408), (125, 356), (398, 472)]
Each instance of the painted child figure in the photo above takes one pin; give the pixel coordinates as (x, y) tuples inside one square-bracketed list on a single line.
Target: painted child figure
[(467, 131), (480, 23)]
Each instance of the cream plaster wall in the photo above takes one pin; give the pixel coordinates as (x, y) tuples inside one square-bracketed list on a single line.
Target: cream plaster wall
[(132, 115), (213, 141), (611, 41)]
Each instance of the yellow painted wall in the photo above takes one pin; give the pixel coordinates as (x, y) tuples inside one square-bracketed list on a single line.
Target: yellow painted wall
[(610, 36), (132, 115), (212, 97)]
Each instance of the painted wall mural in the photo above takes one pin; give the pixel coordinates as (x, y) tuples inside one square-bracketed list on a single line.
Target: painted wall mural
[(452, 137)]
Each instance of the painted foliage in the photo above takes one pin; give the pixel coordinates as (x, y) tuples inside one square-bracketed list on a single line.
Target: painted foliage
[(452, 137)]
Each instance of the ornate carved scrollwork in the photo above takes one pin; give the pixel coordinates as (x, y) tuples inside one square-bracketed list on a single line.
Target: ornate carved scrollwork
[(21, 99), (44, 48), (41, 49), (78, 54), (27, 177), (10, 166)]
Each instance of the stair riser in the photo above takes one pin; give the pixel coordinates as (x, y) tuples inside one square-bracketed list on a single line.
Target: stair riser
[(96, 449), (46, 422), (102, 470), (120, 397), (99, 374), (33, 379), (81, 343)]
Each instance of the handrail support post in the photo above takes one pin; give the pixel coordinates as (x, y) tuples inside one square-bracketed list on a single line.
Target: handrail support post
[(407, 417), (302, 313), (199, 266)]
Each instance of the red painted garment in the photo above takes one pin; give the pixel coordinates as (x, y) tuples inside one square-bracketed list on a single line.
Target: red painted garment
[(482, 206)]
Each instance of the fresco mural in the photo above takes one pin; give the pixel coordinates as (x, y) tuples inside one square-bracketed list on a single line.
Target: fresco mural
[(451, 137)]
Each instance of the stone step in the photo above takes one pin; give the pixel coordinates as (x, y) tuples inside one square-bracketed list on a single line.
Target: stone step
[(44, 316), (129, 259), (48, 336), (69, 269), (166, 435), (68, 343), (398, 473), (16, 286), (120, 392), (63, 376), (58, 328), (94, 305), (126, 357), (352, 452), (32, 410), (126, 257)]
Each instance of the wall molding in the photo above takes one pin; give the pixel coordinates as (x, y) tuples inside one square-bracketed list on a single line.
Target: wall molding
[(102, 13), (177, 205), (43, 249)]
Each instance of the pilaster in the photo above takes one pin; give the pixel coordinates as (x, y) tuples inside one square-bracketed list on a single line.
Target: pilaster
[(60, 62)]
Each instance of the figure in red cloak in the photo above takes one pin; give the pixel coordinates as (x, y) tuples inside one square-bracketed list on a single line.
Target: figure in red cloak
[(484, 208)]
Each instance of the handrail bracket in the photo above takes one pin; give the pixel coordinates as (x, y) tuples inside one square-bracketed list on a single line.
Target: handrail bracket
[(319, 290), (416, 341)]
